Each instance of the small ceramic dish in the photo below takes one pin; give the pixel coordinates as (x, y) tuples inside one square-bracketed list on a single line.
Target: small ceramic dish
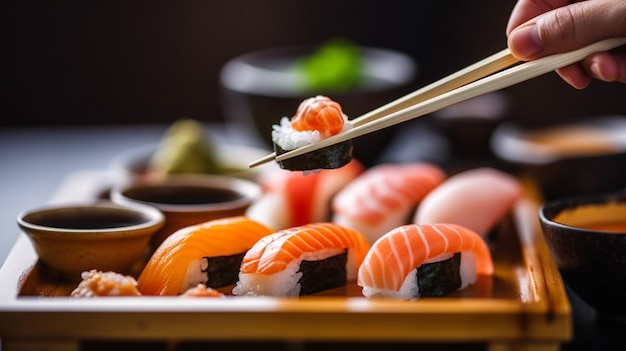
[(586, 156), (587, 238), (134, 163), (77, 237), (188, 199)]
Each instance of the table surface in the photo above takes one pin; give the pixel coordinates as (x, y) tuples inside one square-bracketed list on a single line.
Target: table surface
[(34, 162)]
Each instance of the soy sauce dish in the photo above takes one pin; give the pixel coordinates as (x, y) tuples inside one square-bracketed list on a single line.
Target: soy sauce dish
[(188, 199), (586, 235), (77, 237)]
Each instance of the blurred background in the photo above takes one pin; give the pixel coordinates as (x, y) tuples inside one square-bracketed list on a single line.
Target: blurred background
[(123, 62)]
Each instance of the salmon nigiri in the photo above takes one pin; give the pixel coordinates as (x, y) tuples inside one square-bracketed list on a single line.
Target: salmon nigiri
[(301, 260), (382, 197), (316, 118), (477, 199), (415, 260), (208, 253)]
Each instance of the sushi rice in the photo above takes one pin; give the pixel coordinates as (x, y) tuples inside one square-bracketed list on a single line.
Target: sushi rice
[(288, 138), (286, 282)]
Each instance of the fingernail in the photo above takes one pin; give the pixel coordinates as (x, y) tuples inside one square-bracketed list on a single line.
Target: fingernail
[(525, 41), (595, 70)]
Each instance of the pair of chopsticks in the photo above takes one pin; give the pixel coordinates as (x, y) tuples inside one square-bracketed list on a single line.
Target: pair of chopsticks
[(472, 81)]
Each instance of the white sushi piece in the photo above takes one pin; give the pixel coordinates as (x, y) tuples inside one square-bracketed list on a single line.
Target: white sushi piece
[(476, 199), (270, 210)]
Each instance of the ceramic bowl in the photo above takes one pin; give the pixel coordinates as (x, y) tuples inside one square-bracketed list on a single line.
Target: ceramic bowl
[(260, 87), (77, 237), (587, 156), (188, 199), (587, 238), (134, 163)]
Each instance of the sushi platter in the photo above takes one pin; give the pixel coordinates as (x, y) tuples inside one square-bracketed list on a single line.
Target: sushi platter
[(523, 305)]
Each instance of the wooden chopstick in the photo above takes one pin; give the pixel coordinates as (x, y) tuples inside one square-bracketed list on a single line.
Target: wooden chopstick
[(490, 83), (480, 69)]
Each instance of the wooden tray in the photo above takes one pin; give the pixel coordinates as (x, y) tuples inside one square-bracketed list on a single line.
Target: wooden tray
[(523, 306)]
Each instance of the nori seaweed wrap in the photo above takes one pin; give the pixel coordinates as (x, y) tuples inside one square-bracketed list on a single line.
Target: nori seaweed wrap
[(330, 157), (317, 118)]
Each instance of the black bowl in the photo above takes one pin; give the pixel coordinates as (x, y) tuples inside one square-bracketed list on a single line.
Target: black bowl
[(592, 261), (258, 88), (588, 157)]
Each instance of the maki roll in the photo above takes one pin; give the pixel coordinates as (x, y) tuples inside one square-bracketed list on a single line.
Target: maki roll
[(208, 253), (413, 261), (301, 260), (316, 118)]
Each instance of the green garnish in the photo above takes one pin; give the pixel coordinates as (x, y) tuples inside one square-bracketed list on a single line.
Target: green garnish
[(186, 148), (334, 66)]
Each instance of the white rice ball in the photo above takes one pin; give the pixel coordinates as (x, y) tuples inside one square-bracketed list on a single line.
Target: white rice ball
[(288, 138)]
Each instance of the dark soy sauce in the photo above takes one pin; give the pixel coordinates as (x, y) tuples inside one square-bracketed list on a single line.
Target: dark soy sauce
[(182, 195), (89, 220)]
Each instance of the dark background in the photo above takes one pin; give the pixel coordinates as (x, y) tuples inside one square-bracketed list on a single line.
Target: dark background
[(103, 62)]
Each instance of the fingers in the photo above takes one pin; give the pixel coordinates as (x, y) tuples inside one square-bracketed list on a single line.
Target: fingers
[(575, 75), (607, 67), (538, 28), (604, 66), (565, 28), (526, 10)]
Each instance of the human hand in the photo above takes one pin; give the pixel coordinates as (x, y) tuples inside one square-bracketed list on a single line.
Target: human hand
[(538, 28)]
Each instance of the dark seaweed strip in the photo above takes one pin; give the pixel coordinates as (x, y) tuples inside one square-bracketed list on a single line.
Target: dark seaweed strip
[(439, 278), (330, 157), (323, 274), (223, 270)]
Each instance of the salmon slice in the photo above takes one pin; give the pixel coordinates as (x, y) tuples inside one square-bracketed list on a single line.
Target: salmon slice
[(319, 113), (169, 265), (383, 197), (403, 249), (313, 241), (386, 188)]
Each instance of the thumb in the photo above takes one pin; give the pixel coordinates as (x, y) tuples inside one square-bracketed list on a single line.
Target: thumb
[(568, 28)]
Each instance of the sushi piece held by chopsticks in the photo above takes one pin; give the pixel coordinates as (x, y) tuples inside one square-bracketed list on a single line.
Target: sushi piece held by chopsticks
[(316, 118)]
